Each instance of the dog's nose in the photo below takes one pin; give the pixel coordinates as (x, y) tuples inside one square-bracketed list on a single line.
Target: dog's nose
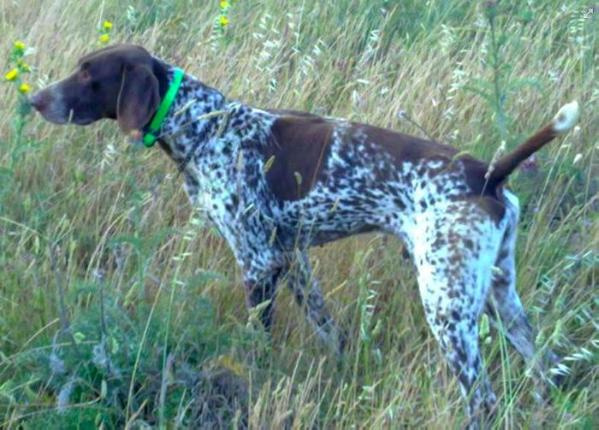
[(39, 100)]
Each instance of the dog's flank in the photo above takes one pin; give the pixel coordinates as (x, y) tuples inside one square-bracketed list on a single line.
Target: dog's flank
[(277, 182)]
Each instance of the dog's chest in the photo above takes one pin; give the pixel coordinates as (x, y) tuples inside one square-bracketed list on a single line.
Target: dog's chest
[(210, 182), (225, 179)]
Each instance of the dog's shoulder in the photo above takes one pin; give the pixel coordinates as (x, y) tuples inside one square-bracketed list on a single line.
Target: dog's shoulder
[(297, 145)]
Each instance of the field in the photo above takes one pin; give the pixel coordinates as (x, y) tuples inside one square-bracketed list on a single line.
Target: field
[(120, 305)]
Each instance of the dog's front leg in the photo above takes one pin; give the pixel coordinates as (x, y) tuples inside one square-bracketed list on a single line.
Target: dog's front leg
[(260, 289), (308, 295)]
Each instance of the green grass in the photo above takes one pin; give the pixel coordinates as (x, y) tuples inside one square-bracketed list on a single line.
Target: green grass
[(121, 306)]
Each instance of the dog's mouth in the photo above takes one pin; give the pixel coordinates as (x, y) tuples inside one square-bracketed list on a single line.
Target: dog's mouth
[(79, 121), (53, 116), (57, 116), (55, 112)]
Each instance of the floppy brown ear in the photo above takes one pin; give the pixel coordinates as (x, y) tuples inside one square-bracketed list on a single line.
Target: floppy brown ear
[(138, 98)]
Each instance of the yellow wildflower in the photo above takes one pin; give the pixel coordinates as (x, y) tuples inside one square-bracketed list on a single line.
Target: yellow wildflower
[(19, 46), (223, 21), (24, 88), (104, 38), (224, 4), (12, 75), (107, 25)]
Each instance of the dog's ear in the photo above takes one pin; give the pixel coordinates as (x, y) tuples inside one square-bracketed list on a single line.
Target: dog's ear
[(138, 98)]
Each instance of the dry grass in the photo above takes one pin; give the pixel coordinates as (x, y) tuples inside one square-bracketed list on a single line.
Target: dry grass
[(102, 257)]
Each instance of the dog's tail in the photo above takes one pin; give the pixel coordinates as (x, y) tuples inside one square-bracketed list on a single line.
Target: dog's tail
[(563, 121)]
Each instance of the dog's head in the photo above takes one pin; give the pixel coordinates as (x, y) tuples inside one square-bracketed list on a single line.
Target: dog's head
[(120, 82)]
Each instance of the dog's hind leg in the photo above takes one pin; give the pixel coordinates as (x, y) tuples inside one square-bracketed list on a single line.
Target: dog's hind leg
[(504, 306), (453, 254)]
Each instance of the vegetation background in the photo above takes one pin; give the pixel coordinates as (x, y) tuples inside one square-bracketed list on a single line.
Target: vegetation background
[(120, 306)]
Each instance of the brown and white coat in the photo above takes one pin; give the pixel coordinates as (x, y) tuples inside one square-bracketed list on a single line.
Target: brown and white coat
[(277, 182)]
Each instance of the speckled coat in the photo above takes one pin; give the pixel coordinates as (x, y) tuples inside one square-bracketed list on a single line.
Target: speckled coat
[(276, 182)]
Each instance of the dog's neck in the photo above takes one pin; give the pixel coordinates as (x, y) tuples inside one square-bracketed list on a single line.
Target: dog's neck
[(194, 117)]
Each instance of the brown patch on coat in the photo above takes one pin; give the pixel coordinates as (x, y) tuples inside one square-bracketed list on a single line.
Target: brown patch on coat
[(300, 146), (298, 149), (403, 147)]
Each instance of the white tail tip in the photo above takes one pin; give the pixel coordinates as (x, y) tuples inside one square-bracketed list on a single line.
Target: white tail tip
[(566, 117)]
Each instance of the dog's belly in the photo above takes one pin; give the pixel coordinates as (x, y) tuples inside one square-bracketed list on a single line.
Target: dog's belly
[(324, 216), (319, 232)]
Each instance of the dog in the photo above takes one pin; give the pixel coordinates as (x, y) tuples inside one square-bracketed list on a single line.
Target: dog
[(276, 182)]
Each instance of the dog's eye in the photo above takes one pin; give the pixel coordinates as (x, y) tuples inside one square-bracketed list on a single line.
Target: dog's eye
[(95, 86)]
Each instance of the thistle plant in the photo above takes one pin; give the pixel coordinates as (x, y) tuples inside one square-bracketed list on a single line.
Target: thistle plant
[(220, 36), (15, 76), (497, 89), (221, 22)]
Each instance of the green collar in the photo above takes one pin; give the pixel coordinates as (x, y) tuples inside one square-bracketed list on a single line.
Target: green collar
[(150, 136)]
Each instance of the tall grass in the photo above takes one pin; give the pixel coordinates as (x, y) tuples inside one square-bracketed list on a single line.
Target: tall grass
[(120, 305)]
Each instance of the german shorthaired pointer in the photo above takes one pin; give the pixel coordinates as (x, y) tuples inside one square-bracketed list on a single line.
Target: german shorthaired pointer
[(277, 182)]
